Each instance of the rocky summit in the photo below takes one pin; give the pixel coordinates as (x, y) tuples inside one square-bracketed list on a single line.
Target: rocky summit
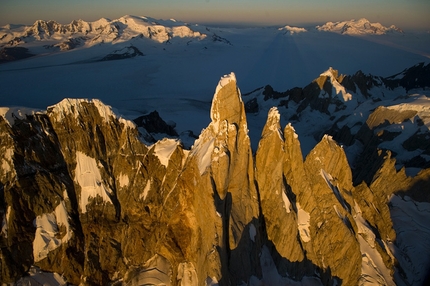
[(84, 200)]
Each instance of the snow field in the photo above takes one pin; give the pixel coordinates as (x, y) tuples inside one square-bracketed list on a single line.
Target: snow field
[(164, 149)]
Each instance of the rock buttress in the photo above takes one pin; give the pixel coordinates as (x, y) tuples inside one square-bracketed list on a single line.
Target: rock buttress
[(276, 198), (218, 233)]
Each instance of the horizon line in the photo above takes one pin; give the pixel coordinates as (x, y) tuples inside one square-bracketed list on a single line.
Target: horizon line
[(219, 23)]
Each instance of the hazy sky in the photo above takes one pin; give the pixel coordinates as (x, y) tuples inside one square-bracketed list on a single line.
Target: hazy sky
[(405, 14)]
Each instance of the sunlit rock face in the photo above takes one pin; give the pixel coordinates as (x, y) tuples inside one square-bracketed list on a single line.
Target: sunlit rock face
[(85, 198)]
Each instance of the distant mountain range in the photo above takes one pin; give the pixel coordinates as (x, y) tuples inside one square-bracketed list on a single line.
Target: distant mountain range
[(80, 32), (56, 36), (358, 27)]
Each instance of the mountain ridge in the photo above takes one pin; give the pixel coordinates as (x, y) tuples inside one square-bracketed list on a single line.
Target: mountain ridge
[(216, 213), (80, 33), (358, 27), (100, 31)]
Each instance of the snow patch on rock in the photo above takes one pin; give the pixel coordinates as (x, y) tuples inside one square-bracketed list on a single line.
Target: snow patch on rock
[(145, 190), (329, 179), (48, 228), (303, 222), (286, 201), (339, 89), (123, 180), (164, 149), (10, 114), (373, 269), (204, 148), (87, 175)]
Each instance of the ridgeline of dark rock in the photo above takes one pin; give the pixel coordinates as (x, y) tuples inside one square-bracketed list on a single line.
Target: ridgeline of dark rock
[(124, 53), (216, 38), (67, 45), (13, 54), (417, 76), (82, 195), (153, 123)]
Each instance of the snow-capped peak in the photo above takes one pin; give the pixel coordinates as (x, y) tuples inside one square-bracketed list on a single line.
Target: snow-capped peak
[(357, 27), (334, 79), (217, 111), (76, 107), (10, 114), (292, 30), (273, 119)]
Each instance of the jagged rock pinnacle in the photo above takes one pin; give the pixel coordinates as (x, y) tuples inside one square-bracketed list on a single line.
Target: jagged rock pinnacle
[(227, 103)]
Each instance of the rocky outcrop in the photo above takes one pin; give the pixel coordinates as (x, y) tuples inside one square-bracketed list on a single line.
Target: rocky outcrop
[(13, 54), (216, 38), (413, 77), (332, 92), (124, 53), (83, 195), (153, 123)]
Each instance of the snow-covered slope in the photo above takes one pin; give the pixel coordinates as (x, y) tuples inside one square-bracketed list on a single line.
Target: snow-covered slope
[(358, 27)]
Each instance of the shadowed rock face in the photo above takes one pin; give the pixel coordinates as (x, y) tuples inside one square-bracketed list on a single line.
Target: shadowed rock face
[(82, 195), (13, 54), (124, 53)]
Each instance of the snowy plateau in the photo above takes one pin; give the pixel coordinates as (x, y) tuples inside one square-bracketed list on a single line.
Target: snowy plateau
[(138, 151)]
